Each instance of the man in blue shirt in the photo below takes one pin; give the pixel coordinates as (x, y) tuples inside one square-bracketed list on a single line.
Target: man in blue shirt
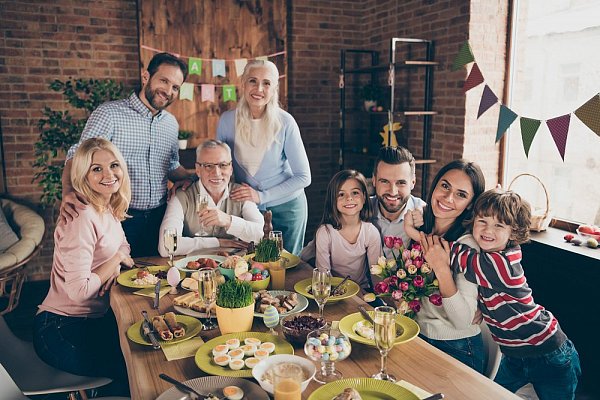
[(146, 135)]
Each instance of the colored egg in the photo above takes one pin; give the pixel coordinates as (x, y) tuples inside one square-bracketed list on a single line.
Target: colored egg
[(222, 360), (233, 393), (251, 362), (233, 343), (271, 317), (236, 354), (236, 364), (268, 346), (220, 350)]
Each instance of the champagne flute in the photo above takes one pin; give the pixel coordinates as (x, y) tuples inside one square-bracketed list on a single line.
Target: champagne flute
[(207, 292), (321, 287), (201, 205), (278, 237), (170, 242), (385, 336)]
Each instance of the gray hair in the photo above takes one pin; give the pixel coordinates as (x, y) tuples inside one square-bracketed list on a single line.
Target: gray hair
[(212, 144)]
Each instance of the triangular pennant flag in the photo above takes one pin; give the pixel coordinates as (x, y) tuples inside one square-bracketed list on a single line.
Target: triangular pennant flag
[(218, 67), (207, 92), (488, 99), (589, 114), (195, 66), (240, 64), (505, 119), (229, 93), (529, 128), (474, 79), (262, 58), (465, 56), (559, 128), (186, 91)]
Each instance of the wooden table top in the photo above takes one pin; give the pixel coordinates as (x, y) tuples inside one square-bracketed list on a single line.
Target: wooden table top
[(416, 361)]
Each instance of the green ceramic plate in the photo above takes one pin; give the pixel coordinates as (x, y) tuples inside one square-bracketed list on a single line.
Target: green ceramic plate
[(348, 324), (290, 260), (369, 389), (192, 328), (204, 354), (350, 286), (182, 263), (127, 278)]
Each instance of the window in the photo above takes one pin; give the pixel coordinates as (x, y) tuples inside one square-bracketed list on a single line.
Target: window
[(556, 69)]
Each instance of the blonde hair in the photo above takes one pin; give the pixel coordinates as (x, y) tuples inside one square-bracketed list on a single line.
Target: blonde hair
[(243, 116), (82, 161)]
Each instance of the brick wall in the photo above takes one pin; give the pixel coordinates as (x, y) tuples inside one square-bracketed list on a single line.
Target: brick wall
[(45, 40)]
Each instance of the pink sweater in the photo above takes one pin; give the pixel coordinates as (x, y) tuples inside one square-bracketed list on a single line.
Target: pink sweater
[(81, 246)]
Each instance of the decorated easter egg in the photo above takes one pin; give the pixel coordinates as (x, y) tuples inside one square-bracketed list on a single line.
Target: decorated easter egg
[(271, 317)]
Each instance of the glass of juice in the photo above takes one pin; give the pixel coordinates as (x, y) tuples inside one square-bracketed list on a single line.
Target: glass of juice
[(277, 271), (287, 381)]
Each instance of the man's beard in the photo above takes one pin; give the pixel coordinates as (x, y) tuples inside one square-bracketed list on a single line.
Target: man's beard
[(151, 95), (394, 209)]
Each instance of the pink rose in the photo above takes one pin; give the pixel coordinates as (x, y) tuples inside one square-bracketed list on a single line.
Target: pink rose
[(381, 287), (415, 305), (436, 299), (418, 281), (388, 241), (404, 286), (397, 295)]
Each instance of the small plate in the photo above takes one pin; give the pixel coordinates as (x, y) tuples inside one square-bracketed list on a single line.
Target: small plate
[(182, 263), (410, 329), (126, 278), (191, 313), (301, 306), (290, 260), (215, 385), (351, 289), (192, 328), (369, 389), (204, 358)]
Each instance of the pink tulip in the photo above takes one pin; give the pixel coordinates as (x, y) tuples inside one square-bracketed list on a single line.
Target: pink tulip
[(404, 286), (381, 287), (415, 305), (418, 262), (393, 281), (398, 244), (436, 299), (388, 241), (418, 281), (397, 295)]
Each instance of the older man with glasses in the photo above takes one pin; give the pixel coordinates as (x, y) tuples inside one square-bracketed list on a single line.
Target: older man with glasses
[(223, 222)]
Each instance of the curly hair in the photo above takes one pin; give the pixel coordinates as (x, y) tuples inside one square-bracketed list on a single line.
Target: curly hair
[(507, 207), (331, 215)]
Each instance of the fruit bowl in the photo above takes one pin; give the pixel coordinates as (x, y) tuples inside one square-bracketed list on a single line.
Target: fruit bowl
[(589, 231)]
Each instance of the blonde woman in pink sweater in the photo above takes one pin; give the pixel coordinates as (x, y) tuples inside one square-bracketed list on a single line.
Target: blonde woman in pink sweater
[(74, 330)]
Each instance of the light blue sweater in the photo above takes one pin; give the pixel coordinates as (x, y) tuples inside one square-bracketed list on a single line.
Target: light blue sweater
[(284, 171)]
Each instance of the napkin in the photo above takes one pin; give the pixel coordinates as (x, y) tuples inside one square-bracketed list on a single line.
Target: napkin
[(149, 292), (183, 349), (335, 324), (420, 393)]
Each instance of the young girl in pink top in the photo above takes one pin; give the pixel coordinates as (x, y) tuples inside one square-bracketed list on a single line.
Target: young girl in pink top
[(346, 243), (74, 329)]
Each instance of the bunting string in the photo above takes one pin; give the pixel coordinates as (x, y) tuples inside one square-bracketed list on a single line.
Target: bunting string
[(588, 113)]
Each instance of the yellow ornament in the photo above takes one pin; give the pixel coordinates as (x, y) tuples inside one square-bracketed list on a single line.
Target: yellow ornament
[(396, 126)]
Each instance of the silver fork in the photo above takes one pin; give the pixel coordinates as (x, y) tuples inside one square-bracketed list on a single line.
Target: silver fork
[(185, 388)]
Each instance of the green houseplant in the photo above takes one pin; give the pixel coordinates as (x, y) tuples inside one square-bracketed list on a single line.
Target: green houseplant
[(266, 251), (59, 130), (235, 306), (183, 136)]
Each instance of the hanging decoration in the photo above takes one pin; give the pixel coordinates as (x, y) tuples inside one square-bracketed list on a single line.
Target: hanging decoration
[(207, 91), (588, 113), (390, 140), (229, 93), (195, 66), (186, 91)]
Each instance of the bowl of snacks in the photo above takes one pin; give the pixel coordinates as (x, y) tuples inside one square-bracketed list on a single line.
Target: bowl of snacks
[(233, 266), (263, 373), (296, 327), (589, 231)]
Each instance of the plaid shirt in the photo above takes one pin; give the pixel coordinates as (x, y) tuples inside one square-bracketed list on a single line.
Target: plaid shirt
[(148, 144)]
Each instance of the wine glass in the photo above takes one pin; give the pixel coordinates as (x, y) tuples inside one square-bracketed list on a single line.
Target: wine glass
[(385, 336), (201, 205), (277, 236), (207, 292), (321, 287), (327, 346), (170, 242)]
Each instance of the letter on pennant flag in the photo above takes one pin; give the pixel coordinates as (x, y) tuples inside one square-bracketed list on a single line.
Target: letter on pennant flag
[(207, 92), (229, 93), (218, 67), (240, 64), (529, 128), (488, 99), (186, 91), (559, 128), (505, 119), (465, 56), (474, 79), (195, 66), (589, 114)]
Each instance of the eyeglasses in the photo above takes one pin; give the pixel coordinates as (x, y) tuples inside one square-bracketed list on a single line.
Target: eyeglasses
[(209, 167)]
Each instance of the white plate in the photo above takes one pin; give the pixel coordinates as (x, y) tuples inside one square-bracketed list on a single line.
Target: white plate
[(181, 264), (215, 385), (301, 306)]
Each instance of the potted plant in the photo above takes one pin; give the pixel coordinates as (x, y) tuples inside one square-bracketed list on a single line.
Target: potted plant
[(183, 136), (235, 306), (370, 95), (267, 252)]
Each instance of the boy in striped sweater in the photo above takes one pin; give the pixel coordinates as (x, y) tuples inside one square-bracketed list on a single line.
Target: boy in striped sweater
[(534, 347)]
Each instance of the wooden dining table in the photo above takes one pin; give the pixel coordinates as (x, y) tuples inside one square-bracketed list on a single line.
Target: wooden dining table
[(416, 361)]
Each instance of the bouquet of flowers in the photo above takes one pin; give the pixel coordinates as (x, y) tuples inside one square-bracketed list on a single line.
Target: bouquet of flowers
[(407, 278)]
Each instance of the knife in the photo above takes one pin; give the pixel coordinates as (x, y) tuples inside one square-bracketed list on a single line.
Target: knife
[(156, 295), (435, 396), (339, 285), (148, 331), (183, 387), (366, 315)]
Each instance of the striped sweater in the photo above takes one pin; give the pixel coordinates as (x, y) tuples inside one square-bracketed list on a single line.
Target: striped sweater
[(521, 327)]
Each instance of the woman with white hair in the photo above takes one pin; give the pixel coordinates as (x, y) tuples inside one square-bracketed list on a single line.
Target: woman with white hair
[(269, 158)]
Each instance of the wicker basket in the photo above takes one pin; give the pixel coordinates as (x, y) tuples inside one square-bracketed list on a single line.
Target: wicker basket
[(540, 218)]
